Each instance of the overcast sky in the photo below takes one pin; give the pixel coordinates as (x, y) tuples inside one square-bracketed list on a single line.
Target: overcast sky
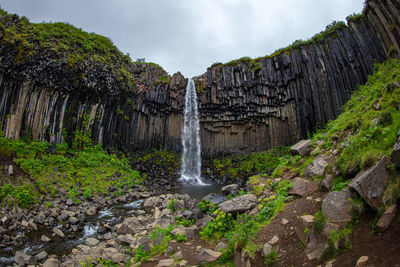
[(190, 35)]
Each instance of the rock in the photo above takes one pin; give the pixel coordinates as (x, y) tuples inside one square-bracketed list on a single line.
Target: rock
[(266, 250), (40, 218), (51, 262), (303, 223), (178, 255), (204, 220), (69, 202), (386, 218), (328, 228), (91, 241), (151, 202), (72, 220), (45, 239), (163, 223), (119, 257), (41, 256), (274, 240), (302, 187), (302, 148), (239, 204), (128, 238), (24, 259), (91, 211), (230, 189), (307, 219), (362, 261), (315, 247), (10, 170), (32, 225), (221, 246), (336, 206), (396, 152), (371, 183), (327, 182), (58, 232), (207, 255), (166, 263), (317, 167), (156, 213), (85, 249), (130, 225), (214, 198), (284, 221)]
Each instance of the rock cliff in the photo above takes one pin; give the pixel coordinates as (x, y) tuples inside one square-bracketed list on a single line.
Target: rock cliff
[(244, 107)]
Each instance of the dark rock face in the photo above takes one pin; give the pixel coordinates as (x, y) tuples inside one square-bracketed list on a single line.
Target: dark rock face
[(242, 108)]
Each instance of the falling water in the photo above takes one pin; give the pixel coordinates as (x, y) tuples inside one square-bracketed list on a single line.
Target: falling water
[(191, 157)]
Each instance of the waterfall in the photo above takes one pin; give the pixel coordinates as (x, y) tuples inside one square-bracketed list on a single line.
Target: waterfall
[(191, 156)]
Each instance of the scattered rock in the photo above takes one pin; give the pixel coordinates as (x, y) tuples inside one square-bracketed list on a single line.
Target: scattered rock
[(317, 167), (207, 255), (302, 187), (40, 218), (221, 246), (69, 202), (24, 259), (164, 223), (327, 182), (130, 225), (91, 241), (362, 261), (386, 218), (316, 246), (307, 219), (72, 220), (41, 256), (274, 240), (284, 221), (58, 232), (214, 198), (239, 204), (119, 257), (165, 263), (91, 211), (328, 228), (302, 148), (371, 183), (151, 203), (45, 239), (266, 250), (230, 189), (156, 213), (336, 206), (51, 262)]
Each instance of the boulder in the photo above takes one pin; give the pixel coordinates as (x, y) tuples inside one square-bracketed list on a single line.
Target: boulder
[(119, 257), (302, 148), (317, 167), (58, 232), (302, 187), (151, 203), (51, 262), (24, 259), (371, 183), (316, 246), (130, 225), (396, 152), (207, 255), (91, 241), (386, 218), (336, 206), (214, 198), (239, 204), (230, 189)]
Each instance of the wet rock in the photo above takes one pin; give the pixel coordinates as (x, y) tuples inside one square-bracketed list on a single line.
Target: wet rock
[(230, 189), (371, 183), (214, 198), (166, 263), (207, 256), (336, 206), (24, 259), (58, 232), (386, 218), (41, 256), (302, 148), (362, 261), (91, 241), (40, 218), (239, 204), (317, 167), (302, 187)]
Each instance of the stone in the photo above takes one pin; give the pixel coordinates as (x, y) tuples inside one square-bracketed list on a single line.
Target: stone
[(24, 259), (91, 241), (45, 239), (128, 239), (69, 202), (41, 256), (239, 204), (40, 218), (221, 246), (51, 262), (85, 249), (214, 198), (10, 170), (72, 220), (327, 182), (163, 223), (91, 211), (32, 225), (396, 153), (386, 218), (166, 263), (151, 202), (58, 232), (302, 187), (230, 189), (284, 221), (371, 183), (178, 255), (156, 213), (336, 206), (362, 261), (328, 228), (307, 219), (302, 148), (266, 250), (274, 240), (130, 225), (316, 246), (119, 257), (205, 255), (317, 167)]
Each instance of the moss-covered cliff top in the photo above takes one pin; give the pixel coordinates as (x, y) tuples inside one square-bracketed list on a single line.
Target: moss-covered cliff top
[(24, 41)]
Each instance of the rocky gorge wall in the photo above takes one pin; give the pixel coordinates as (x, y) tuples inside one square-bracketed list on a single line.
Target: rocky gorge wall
[(242, 107)]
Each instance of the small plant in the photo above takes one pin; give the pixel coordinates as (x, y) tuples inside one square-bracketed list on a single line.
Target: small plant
[(271, 258), (319, 222), (180, 237), (171, 204), (340, 239), (141, 254)]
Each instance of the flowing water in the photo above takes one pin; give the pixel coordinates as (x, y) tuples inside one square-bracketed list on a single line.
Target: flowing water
[(191, 156)]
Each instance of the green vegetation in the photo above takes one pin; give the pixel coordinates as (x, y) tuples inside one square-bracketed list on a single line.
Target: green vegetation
[(83, 171), (66, 43), (244, 166), (367, 128), (163, 159)]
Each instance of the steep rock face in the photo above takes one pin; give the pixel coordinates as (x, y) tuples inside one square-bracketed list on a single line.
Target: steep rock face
[(245, 108)]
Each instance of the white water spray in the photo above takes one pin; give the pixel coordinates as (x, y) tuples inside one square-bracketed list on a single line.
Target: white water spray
[(191, 156)]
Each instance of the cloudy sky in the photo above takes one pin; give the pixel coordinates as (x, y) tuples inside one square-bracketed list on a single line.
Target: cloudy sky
[(190, 35)]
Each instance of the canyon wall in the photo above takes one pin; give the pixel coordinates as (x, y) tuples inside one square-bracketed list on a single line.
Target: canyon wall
[(243, 107)]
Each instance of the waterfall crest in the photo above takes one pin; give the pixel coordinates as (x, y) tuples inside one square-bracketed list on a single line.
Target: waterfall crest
[(191, 156)]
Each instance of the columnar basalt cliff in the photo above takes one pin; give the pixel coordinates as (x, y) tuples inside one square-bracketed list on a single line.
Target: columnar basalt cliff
[(253, 105), (243, 107)]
